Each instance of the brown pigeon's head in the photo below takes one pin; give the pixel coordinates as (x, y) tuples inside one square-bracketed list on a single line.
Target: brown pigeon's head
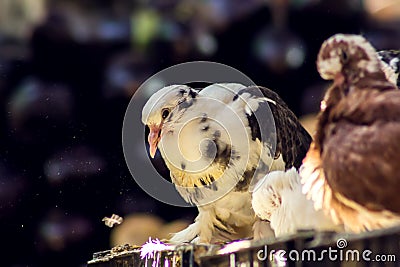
[(347, 56)]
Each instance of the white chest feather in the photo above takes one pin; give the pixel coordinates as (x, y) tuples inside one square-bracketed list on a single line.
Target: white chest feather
[(279, 199)]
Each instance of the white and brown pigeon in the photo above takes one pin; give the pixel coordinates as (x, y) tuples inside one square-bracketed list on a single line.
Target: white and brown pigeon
[(352, 169), (214, 141)]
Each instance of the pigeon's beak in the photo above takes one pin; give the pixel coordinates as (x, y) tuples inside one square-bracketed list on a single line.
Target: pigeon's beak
[(153, 138), (339, 79)]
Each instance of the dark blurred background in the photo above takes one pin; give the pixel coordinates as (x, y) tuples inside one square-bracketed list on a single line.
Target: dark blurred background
[(69, 68)]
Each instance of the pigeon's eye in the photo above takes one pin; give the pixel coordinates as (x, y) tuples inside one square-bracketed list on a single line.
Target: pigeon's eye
[(344, 56), (164, 113)]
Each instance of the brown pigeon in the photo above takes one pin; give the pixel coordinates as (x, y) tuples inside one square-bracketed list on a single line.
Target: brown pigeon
[(352, 169)]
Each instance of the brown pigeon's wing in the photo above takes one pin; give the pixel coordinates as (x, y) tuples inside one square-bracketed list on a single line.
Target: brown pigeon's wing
[(361, 156), (366, 107), (292, 140)]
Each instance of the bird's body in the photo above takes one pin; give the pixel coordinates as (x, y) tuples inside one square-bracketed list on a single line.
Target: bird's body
[(352, 169), (214, 143), (278, 198)]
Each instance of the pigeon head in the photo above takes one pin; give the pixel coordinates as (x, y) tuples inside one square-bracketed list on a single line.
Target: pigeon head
[(347, 57), (159, 107)]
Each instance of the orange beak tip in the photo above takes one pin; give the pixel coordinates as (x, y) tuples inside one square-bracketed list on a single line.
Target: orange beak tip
[(152, 152), (153, 139)]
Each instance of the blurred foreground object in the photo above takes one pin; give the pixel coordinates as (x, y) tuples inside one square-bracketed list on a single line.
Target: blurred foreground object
[(115, 219), (137, 228), (303, 249)]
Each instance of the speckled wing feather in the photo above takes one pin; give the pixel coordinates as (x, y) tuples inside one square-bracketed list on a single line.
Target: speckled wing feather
[(292, 140), (391, 64)]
